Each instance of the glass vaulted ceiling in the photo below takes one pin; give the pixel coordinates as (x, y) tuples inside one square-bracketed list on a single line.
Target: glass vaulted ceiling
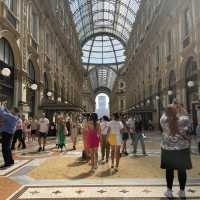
[(103, 27)]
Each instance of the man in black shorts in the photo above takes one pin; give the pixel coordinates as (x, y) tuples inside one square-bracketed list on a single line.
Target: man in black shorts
[(43, 131)]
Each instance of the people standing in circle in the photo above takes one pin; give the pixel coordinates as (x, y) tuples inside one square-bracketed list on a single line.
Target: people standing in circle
[(105, 146), (74, 133), (125, 137), (93, 138), (43, 129), (34, 127), (61, 132), (139, 136), (18, 136), (7, 130), (115, 139), (175, 148)]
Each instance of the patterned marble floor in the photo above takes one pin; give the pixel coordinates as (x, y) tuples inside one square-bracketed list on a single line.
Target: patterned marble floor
[(29, 181), (98, 192)]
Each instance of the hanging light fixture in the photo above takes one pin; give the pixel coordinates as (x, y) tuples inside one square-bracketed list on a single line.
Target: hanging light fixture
[(59, 99), (49, 94), (190, 84), (157, 98), (170, 92), (33, 86), (5, 72), (148, 101)]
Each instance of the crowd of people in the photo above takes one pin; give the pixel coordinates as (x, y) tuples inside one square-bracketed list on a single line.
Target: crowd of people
[(111, 135)]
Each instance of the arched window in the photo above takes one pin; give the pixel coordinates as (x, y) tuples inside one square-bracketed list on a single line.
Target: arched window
[(10, 4), (6, 53), (46, 84), (191, 76), (31, 71), (6, 83)]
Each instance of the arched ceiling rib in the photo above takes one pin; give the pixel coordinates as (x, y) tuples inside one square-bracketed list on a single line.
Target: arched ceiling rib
[(104, 16), (103, 27)]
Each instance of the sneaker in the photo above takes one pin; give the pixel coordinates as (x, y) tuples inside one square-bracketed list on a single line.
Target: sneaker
[(40, 149), (168, 194), (181, 194)]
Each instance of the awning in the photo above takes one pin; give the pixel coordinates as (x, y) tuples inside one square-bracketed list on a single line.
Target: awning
[(61, 107)]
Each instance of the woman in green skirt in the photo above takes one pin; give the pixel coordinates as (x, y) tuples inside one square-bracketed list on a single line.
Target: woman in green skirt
[(61, 132)]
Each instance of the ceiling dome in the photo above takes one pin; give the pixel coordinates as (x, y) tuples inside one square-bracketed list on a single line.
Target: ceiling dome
[(103, 49), (103, 27)]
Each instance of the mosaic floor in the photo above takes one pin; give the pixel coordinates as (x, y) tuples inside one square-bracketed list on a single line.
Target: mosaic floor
[(62, 175)]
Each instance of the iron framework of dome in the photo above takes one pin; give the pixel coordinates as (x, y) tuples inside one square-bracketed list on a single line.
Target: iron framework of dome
[(103, 27)]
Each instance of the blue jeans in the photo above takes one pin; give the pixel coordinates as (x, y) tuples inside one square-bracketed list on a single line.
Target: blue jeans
[(139, 137)]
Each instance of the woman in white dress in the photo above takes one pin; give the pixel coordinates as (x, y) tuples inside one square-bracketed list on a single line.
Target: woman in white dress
[(115, 129)]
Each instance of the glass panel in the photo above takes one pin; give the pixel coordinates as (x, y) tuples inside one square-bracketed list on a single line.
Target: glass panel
[(103, 22), (95, 15), (6, 56), (1, 49)]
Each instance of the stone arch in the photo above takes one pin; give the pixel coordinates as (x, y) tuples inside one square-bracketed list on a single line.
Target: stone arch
[(184, 64), (13, 43)]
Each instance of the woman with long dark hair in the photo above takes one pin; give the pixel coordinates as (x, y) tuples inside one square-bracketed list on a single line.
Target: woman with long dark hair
[(93, 137), (175, 148)]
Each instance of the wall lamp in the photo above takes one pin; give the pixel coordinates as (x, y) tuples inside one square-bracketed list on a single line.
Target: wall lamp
[(5, 72), (32, 86), (170, 92), (190, 84)]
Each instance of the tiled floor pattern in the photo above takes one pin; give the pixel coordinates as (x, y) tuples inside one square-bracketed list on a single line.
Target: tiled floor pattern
[(82, 188), (18, 164), (98, 192)]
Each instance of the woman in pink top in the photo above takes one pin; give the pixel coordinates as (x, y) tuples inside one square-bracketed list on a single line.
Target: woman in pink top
[(93, 137)]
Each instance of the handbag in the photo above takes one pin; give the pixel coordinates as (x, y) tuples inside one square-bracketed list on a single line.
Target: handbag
[(112, 138)]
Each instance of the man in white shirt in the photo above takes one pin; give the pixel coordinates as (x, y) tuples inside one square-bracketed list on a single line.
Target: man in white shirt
[(43, 124), (131, 126)]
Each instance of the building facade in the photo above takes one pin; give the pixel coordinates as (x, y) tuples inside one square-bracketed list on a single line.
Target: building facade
[(163, 56), (40, 46)]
